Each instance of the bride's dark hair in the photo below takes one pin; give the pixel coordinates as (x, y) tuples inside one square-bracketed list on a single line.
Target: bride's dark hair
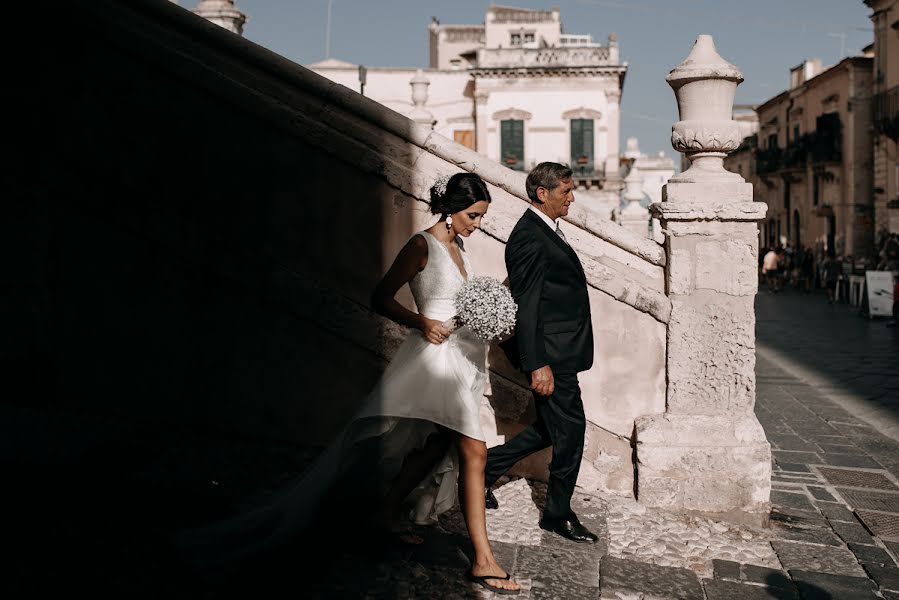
[(462, 190)]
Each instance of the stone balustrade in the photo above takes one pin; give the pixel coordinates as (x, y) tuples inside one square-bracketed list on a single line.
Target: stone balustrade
[(707, 453), (567, 57)]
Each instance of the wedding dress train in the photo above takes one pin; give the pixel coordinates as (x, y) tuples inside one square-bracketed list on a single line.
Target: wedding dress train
[(425, 384)]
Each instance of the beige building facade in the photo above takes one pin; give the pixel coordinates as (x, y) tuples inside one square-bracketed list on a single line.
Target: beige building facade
[(518, 90), (811, 160), (885, 18)]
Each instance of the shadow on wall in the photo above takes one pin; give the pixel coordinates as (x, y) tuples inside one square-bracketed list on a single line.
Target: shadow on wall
[(176, 230)]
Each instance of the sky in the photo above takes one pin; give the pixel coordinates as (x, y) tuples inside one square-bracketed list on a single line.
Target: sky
[(763, 38)]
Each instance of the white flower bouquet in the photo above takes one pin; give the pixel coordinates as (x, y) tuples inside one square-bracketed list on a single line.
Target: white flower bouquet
[(486, 306)]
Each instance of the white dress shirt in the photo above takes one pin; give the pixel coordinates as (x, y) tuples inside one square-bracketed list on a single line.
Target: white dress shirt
[(554, 225)]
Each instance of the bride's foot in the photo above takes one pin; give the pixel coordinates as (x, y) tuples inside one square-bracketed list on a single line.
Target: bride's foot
[(493, 577)]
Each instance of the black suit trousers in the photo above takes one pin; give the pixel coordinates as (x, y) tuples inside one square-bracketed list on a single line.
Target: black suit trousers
[(561, 424)]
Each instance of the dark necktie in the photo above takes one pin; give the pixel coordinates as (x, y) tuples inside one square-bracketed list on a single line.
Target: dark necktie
[(559, 232)]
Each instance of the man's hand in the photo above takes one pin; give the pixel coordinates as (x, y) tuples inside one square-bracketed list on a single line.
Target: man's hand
[(542, 381)]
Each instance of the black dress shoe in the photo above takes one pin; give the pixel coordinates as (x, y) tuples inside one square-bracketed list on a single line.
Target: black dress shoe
[(490, 500), (570, 529)]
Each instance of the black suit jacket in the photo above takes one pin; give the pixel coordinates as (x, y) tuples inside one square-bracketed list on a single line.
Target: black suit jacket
[(553, 325)]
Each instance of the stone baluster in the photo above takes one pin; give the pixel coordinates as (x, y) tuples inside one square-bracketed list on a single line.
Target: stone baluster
[(707, 453), (633, 216)]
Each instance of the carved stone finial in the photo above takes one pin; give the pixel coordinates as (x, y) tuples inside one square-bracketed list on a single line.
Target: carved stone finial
[(705, 85), (223, 13), (419, 113)]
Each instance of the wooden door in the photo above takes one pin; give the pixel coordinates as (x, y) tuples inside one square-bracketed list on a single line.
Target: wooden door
[(464, 137)]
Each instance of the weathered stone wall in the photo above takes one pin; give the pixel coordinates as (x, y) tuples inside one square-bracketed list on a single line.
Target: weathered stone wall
[(203, 226)]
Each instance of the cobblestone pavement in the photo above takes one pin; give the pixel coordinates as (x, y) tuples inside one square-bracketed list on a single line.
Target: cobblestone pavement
[(91, 501)]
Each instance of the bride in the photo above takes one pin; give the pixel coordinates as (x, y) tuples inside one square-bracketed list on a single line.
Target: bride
[(418, 433)]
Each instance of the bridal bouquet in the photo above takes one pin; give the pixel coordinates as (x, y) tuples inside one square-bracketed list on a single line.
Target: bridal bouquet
[(486, 306)]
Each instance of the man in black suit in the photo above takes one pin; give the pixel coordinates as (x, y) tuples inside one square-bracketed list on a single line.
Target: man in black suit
[(553, 342)]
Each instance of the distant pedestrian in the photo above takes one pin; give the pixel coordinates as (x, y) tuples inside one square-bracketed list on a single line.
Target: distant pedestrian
[(807, 270), (831, 273), (769, 269)]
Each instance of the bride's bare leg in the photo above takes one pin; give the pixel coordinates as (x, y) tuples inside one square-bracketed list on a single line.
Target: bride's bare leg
[(416, 465), (473, 458)]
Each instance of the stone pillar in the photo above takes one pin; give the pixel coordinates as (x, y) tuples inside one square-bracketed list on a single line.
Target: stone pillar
[(481, 121), (420, 114), (633, 216), (611, 162), (707, 453), (223, 13)]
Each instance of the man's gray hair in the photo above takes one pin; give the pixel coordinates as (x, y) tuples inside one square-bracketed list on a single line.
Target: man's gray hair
[(547, 175)]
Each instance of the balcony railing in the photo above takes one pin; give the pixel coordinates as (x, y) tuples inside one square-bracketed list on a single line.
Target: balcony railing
[(768, 160), (823, 145), (886, 112), (500, 58)]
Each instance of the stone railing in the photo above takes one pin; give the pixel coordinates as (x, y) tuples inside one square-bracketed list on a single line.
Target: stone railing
[(455, 33), (521, 16), (570, 57)]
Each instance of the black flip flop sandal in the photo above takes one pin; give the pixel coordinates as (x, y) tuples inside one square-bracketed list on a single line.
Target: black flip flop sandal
[(482, 580)]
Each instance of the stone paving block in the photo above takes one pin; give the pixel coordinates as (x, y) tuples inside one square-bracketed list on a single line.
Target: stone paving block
[(622, 576), (552, 589), (873, 555), (795, 485), (793, 467), (787, 456), (828, 439), (849, 460), (836, 511), (893, 547), (770, 577), (729, 590), (823, 559), (826, 586), (805, 478), (725, 569), (841, 449), (791, 442), (852, 532), (820, 493), (886, 577), (790, 500), (795, 516), (786, 486), (558, 565), (809, 535)]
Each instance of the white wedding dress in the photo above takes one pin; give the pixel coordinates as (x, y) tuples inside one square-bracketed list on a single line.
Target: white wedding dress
[(424, 384)]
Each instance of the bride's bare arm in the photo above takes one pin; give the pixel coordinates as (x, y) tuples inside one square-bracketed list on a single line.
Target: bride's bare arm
[(410, 260)]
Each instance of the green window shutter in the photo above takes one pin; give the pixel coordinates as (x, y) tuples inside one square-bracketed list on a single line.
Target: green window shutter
[(512, 143), (582, 146)]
